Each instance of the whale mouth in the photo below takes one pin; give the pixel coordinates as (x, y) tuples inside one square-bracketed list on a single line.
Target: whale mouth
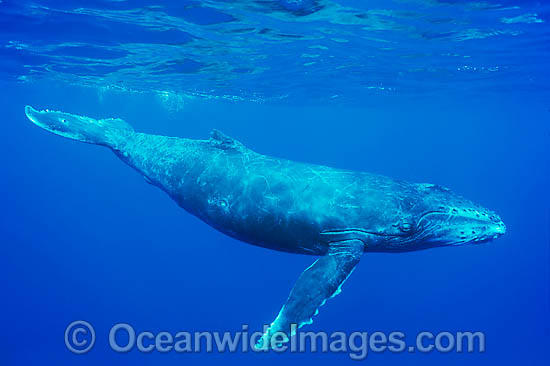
[(46, 119), (32, 115), (454, 229)]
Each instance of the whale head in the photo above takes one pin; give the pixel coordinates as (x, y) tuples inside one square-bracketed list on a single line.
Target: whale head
[(63, 124), (438, 217), (80, 128)]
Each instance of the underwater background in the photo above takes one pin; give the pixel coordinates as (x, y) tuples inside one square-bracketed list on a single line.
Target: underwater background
[(450, 92)]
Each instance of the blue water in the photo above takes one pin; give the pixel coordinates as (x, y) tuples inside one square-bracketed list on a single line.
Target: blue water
[(449, 92)]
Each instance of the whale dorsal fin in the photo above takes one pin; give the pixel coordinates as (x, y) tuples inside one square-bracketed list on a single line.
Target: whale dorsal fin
[(222, 141)]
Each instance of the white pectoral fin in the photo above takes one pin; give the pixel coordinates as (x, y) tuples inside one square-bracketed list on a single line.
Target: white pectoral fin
[(314, 287)]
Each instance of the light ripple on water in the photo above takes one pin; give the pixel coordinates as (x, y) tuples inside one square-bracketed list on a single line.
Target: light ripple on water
[(262, 50)]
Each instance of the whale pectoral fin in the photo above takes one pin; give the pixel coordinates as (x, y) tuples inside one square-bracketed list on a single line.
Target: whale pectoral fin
[(318, 283)]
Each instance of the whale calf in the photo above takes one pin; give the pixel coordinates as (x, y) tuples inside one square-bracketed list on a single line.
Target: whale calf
[(288, 206)]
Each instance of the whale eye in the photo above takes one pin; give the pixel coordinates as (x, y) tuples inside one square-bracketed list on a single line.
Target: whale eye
[(406, 227), (63, 120)]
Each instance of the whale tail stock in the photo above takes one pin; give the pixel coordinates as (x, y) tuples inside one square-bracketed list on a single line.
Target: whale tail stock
[(104, 132)]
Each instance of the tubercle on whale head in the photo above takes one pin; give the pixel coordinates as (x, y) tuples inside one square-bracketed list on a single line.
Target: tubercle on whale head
[(440, 217)]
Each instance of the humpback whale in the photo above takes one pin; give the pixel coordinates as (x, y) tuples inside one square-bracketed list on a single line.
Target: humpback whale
[(288, 206)]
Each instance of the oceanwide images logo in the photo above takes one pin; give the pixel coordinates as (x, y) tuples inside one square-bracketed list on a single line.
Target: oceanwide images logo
[(80, 338)]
